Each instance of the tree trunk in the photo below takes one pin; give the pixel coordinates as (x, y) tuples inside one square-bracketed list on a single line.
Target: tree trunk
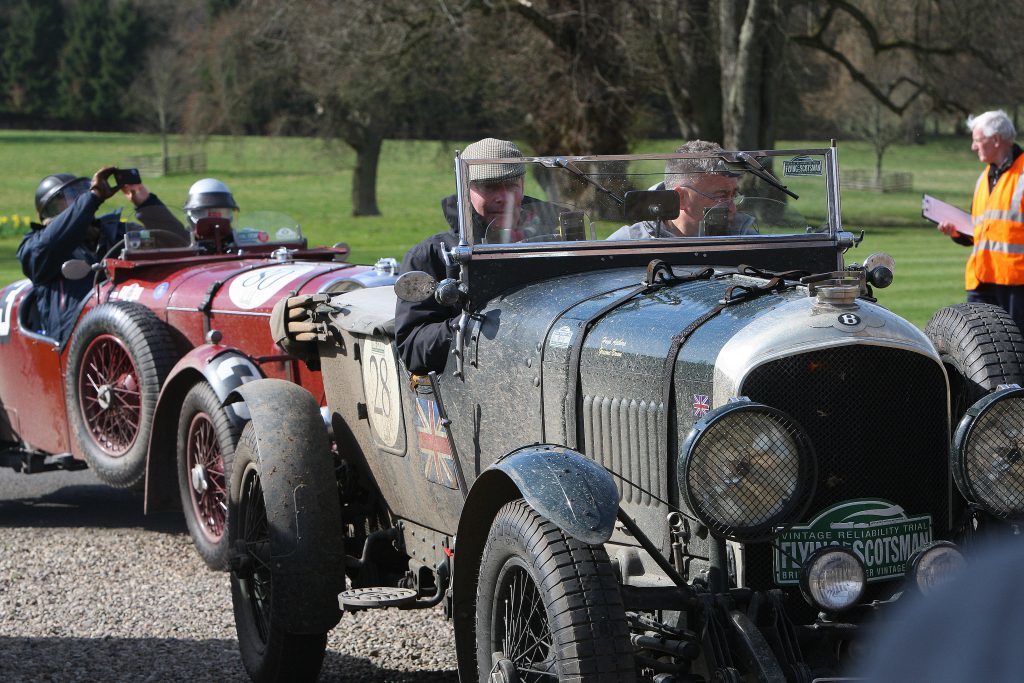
[(749, 53), (689, 71), (364, 176)]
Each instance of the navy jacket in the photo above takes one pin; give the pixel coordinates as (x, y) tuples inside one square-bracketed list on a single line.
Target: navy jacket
[(44, 250), (424, 330)]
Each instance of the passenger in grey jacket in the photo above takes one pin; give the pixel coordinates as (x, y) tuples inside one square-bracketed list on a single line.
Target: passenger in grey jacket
[(707, 190)]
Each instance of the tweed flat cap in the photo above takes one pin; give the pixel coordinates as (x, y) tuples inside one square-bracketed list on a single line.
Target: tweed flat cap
[(492, 148)]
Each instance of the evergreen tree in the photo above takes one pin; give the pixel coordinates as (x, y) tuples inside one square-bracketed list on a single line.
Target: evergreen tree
[(121, 59), (30, 57), (82, 60)]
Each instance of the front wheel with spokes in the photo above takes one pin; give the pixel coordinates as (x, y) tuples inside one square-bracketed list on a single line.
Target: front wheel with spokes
[(206, 444), (548, 605), (269, 651)]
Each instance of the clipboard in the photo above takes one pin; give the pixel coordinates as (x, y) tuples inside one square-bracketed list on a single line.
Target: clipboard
[(939, 211)]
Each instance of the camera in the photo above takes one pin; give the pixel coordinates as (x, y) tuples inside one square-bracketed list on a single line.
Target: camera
[(126, 176)]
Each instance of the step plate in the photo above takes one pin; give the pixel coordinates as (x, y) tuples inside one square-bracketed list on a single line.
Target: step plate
[(377, 597)]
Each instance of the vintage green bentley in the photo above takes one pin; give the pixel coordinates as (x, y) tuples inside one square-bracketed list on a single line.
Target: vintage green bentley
[(677, 454)]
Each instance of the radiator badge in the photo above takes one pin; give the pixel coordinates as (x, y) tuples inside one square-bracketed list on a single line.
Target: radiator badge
[(879, 532)]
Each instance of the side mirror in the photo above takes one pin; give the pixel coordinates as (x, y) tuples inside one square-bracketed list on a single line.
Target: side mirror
[(415, 286), (76, 269)]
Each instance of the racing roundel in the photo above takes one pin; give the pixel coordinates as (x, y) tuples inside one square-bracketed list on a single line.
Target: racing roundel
[(380, 386), (256, 287)]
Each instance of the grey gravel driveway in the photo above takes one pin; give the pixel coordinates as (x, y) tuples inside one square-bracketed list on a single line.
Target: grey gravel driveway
[(93, 590)]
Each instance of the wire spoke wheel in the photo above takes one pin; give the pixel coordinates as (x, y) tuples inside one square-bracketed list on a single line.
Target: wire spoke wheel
[(256, 582), (548, 605), (521, 632), (206, 441), (273, 649), (110, 400), (206, 469)]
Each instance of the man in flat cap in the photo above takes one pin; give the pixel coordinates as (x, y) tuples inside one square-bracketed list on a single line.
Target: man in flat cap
[(501, 213)]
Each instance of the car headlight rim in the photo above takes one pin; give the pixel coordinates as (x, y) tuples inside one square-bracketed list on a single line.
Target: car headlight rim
[(980, 486), (818, 562), (768, 429), (920, 566)]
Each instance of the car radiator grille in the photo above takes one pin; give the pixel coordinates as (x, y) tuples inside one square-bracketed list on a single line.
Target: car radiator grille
[(622, 435), (877, 419)]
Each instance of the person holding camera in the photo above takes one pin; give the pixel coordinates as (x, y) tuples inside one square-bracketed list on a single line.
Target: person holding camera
[(68, 229)]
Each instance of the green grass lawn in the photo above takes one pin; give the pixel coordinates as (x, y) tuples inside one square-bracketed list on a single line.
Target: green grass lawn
[(311, 180)]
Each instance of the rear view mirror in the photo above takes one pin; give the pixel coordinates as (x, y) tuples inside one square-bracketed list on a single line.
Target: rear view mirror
[(75, 269), (650, 205)]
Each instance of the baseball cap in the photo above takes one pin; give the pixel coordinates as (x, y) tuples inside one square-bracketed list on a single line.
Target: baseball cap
[(492, 148)]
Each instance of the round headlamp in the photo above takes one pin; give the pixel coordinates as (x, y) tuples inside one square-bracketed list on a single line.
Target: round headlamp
[(988, 453), (747, 469), (933, 565), (833, 578)]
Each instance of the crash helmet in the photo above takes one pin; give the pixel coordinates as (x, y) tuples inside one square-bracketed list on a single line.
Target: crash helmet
[(209, 197), (58, 191)]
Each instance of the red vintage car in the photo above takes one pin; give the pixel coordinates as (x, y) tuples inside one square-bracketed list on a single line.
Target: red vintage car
[(135, 392)]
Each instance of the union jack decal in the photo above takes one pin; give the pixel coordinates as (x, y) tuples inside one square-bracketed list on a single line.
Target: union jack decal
[(701, 405), (436, 452)]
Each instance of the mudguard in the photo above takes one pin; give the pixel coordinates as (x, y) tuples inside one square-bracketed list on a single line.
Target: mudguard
[(565, 487), (560, 484), (224, 369), (297, 474)]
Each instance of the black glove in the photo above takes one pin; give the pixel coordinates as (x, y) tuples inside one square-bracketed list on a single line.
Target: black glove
[(99, 185)]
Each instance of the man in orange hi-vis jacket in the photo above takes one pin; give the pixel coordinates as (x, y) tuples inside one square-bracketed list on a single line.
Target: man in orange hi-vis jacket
[(995, 270)]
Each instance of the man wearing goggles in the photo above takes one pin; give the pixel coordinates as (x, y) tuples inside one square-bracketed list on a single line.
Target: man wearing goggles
[(708, 196), (68, 229)]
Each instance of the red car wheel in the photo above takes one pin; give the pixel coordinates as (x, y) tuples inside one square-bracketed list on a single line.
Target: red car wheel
[(108, 395), (206, 444), (119, 356)]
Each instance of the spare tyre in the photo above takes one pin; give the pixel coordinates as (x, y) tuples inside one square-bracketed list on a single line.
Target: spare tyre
[(119, 357), (981, 347)]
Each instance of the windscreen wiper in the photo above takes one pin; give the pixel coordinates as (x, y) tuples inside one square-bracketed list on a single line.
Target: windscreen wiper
[(751, 163), (562, 162)]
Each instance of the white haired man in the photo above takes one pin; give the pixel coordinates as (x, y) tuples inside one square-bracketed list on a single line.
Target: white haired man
[(995, 269)]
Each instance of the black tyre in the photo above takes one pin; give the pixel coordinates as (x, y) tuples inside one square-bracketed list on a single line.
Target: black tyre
[(269, 652), (981, 347), (206, 445), (549, 604), (118, 359)]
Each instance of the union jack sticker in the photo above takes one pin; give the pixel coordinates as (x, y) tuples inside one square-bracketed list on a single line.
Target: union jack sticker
[(701, 405), (435, 451)]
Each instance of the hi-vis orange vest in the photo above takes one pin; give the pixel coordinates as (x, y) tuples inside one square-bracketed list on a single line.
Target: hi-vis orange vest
[(998, 256)]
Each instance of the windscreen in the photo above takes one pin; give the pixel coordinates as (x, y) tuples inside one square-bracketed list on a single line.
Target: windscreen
[(730, 195)]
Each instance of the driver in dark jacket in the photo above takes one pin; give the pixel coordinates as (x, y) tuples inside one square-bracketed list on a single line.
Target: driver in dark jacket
[(424, 329), (69, 229)]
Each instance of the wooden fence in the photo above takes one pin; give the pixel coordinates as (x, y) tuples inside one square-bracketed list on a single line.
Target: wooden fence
[(865, 180), (153, 166)]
